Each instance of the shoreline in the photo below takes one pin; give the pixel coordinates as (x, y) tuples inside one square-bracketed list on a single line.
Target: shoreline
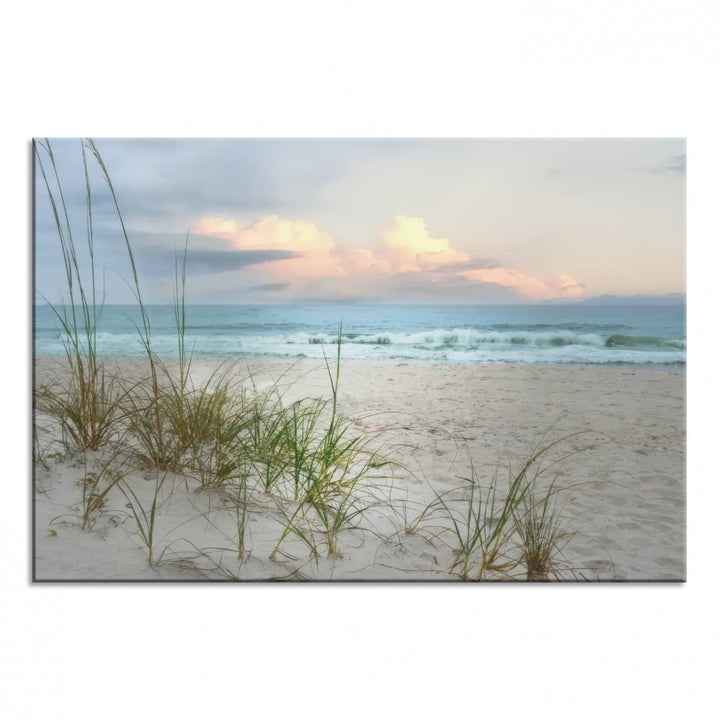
[(679, 368)]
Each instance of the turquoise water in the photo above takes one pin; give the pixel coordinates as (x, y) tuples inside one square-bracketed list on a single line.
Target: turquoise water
[(556, 334)]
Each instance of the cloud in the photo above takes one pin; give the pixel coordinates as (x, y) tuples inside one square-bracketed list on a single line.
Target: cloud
[(408, 247), (405, 258), (270, 232), (527, 285), (362, 261), (475, 264), (166, 182), (567, 286), (404, 246), (162, 260), (308, 250), (678, 164)]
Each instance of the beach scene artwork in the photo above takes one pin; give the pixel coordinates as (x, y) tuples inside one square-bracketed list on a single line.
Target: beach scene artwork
[(451, 360)]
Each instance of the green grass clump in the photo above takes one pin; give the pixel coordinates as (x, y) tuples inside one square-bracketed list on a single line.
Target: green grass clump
[(493, 532), (264, 438), (145, 517), (543, 534), (242, 513), (301, 430), (87, 409), (95, 488), (149, 419), (335, 477), (216, 450)]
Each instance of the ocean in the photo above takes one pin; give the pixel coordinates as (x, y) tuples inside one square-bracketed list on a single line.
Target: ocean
[(650, 335)]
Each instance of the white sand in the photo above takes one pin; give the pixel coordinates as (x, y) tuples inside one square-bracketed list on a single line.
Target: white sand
[(626, 503)]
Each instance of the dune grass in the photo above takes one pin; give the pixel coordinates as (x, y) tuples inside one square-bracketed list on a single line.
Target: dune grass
[(87, 409), (495, 530), (96, 485), (543, 534), (333, 478), (145, 516), (242, 513)]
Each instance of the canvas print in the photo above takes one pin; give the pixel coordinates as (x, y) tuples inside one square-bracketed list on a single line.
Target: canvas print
[(359, 360)]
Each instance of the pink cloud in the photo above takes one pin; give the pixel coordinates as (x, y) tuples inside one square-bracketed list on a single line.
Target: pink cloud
[(217, 226), (408, 247), (567, 286), (405, 246), (268, 233), (274, 233), (528, 285)]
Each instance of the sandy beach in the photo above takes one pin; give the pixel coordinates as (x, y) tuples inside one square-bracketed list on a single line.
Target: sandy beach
[(621, 468)]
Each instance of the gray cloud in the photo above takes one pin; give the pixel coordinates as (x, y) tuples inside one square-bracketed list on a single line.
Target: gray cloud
[(178, 180), (678, 164), (157, 260), (675, 165), (475, 264)]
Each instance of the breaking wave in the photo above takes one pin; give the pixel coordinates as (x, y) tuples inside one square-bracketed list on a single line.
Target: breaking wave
[(577, 336)]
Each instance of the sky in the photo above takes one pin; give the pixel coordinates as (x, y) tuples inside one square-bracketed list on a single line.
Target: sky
[(401, 221)]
